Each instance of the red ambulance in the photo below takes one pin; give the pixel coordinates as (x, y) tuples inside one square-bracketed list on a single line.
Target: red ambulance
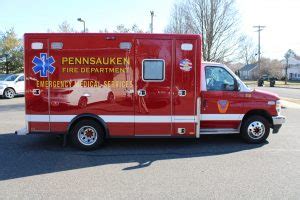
[(93, 86)]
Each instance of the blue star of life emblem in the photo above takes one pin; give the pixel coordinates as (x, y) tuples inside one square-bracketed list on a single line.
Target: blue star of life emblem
[(43, 65)]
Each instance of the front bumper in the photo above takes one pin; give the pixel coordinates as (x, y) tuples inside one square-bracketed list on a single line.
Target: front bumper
[(277, 122)]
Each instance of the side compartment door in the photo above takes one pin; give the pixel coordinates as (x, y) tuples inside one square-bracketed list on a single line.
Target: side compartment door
[(184, 98), (37, 93), (153, 88)]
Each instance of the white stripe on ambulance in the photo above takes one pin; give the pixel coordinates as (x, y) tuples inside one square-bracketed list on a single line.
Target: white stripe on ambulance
[(140, 119)]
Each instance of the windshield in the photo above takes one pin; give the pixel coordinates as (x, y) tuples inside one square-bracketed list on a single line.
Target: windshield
[(11, 78)]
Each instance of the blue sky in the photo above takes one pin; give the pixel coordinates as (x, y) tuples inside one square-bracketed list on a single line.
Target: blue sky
[(279, 16), (38, 16)]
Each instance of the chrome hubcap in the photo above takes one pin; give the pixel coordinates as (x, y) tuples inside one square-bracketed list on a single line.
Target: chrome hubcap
[(9, 93), (256, 130), (87, 135)]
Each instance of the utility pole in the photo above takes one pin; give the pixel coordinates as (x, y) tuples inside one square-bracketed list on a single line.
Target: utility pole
[(259, 29), (151, 25)]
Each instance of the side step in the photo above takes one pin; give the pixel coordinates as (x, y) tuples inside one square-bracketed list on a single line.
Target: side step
[(215, 131)]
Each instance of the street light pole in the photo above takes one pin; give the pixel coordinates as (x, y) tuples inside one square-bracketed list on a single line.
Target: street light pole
[(81, 20), (151, 25), (259, 29)]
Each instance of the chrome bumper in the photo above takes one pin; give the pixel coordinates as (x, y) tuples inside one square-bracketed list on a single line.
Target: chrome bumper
[(278, 120)]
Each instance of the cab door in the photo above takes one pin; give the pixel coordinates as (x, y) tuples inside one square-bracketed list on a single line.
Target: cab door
[(222, 103), (153, 88)]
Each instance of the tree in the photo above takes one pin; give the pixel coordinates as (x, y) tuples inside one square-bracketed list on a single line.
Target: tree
[(123, 29), (65, 27), (180, 20), (235, 67), (270, 67), (103, 31), (247, 51), (216, 20), (11, 53)]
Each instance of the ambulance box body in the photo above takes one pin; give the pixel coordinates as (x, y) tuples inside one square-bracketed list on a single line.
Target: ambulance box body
[(95, 86)]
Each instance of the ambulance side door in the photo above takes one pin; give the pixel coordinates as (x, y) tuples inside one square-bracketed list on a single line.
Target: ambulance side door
[(36, 88), (153, 88), (184, 86)]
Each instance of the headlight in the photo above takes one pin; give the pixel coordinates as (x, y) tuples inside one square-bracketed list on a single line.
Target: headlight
[(278, 106)]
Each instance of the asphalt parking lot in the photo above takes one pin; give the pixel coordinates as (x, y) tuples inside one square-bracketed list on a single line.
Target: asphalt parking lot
[(214, 167)]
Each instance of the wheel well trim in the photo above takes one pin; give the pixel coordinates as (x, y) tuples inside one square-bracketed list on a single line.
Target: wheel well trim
[(89, 116), (260, 112), (10, 88)]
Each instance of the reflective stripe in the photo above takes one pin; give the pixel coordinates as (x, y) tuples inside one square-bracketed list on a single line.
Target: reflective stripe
[(221, 117), (141, 118)]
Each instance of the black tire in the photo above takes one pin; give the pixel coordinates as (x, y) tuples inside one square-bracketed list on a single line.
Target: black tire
[(80, 138), (255, 129), (9, 93)]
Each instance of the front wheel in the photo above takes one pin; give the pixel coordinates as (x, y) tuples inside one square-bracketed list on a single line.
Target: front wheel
[(9, 93), (255, 129), (87, 135)]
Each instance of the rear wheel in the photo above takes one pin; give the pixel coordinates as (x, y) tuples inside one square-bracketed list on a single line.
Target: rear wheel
[(87, 135), (255, 129), (9, 93)]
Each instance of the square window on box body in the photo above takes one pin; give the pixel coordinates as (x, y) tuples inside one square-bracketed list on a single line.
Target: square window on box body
[(153, 70)]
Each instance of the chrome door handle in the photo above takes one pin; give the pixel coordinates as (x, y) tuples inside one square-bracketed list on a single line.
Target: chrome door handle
[(141, 92)]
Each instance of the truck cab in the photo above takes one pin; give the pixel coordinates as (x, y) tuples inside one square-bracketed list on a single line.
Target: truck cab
[(229, 106)]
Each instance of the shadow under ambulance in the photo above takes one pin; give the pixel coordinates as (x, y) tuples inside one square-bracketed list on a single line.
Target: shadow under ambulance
[(37, 155)]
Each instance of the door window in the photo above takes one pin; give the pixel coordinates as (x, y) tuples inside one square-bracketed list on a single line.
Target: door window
[(153, 70), (21, 78), (219, 79)]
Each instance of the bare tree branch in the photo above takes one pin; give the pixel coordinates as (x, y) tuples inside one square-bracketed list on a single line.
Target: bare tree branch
[(216, 20)]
